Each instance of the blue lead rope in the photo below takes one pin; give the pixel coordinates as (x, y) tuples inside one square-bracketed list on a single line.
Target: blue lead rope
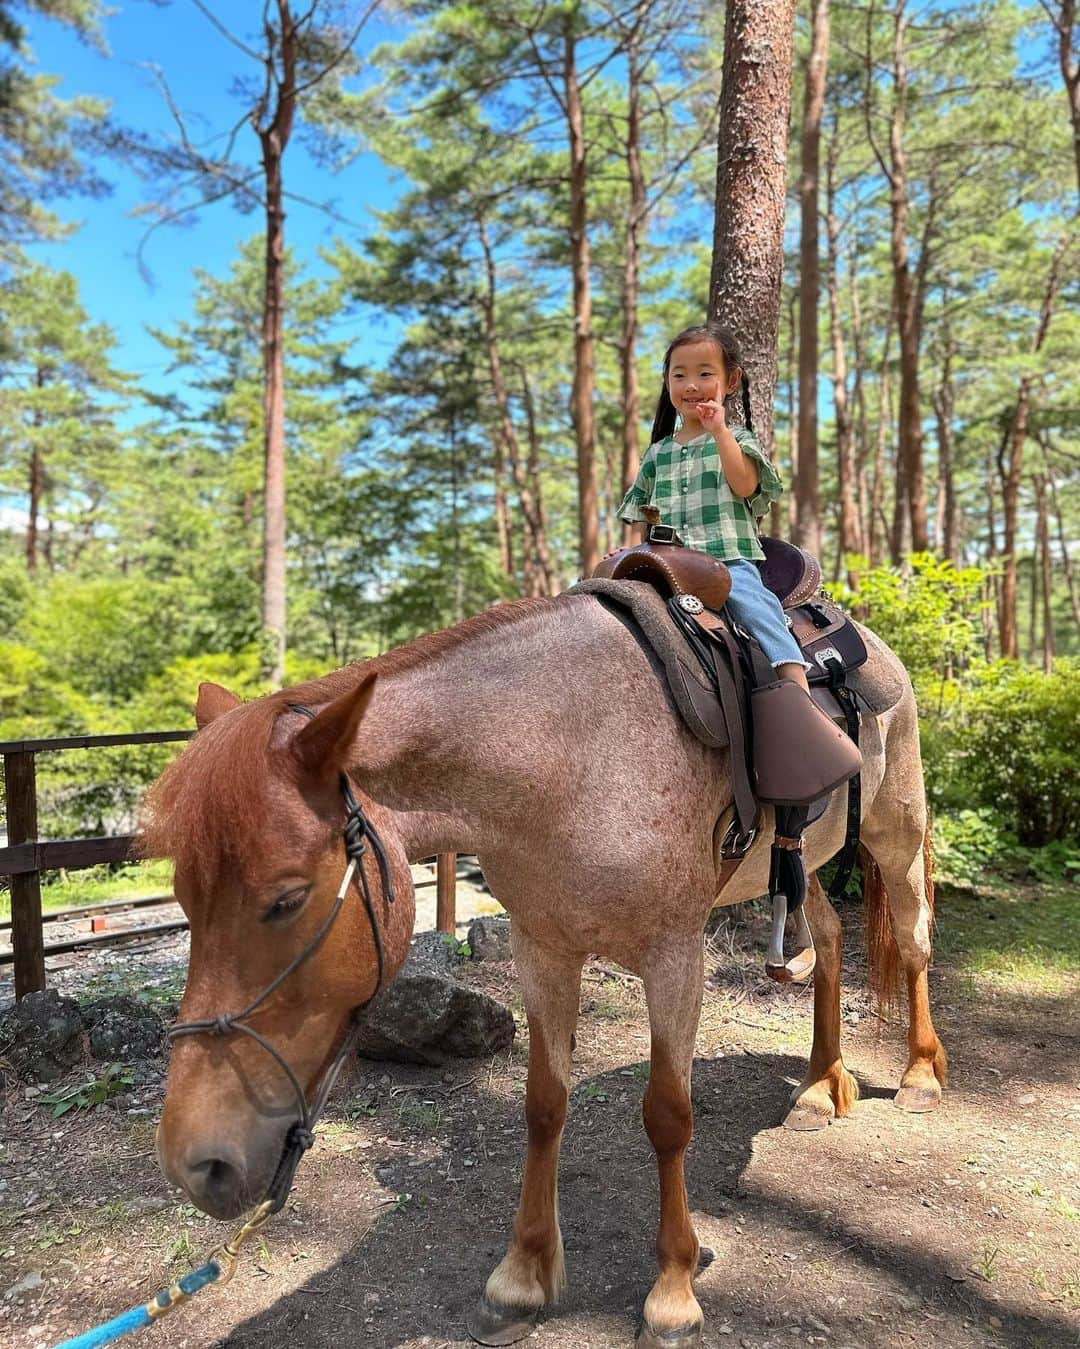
[(149, 1312), (218, 1269)]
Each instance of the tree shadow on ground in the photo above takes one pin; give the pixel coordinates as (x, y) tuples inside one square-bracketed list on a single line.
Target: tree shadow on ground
[(428, 1260)]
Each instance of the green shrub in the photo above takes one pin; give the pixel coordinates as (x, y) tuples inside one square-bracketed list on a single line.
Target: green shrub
[(1017, 741), (928, 611)]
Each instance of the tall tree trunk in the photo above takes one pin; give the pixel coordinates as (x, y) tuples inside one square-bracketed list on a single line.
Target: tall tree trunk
[(506, 442), (536, 514), (862, 438), (755, 102), (1042, 560), (36, 483), (635, 224), (1065, 23), (992, 595), (878, 527), (905, 297), (944, 405), (581, 398), (848, 540), (807, 512), (274, 138), (1066, 560), (1010, 469), (793, 423)]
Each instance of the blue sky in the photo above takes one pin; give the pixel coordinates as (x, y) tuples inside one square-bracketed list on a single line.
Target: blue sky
[(200, 66)]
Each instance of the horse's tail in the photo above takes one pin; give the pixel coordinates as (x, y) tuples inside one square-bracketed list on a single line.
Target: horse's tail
[(883, 954)]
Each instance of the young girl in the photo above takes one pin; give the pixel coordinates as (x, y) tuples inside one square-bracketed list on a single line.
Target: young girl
[(712, 483)]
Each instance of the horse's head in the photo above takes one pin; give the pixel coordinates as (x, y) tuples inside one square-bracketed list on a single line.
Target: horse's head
[(253, 816)]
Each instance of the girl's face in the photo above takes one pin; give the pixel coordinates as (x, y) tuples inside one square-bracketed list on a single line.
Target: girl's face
[(697, 374)]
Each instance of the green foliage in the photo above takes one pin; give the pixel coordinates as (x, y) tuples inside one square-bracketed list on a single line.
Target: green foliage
[(88, 1093), (1017, 748), (928, 611)]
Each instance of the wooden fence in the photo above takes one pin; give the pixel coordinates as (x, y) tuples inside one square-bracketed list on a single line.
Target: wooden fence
[(26, 856)]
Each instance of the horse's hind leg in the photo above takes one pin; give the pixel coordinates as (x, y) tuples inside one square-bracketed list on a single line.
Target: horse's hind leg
[(828, 1089), (532, 1272), (900, 908), (673, 987)]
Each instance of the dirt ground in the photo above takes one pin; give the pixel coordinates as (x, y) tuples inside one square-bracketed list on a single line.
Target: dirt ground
[(960, 1228)]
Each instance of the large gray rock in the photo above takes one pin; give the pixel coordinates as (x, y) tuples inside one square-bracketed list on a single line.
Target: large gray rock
[(489, 939), (42, 1036), (122, 1029), (428, 1016)]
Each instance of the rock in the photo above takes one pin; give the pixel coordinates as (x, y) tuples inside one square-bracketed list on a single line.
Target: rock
[(428, 1016), (28, 1282), (41, 1037), (489, 939), (123, 1029)]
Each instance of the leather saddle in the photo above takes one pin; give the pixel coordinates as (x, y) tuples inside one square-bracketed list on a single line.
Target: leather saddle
[(793, 759)]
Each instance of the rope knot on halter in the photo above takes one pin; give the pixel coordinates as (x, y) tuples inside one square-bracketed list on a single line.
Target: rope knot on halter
[(221, 1025), (355, 835), (300, 1136)]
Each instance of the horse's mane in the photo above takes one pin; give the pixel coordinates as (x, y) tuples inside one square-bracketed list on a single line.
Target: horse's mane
[(199, 812)]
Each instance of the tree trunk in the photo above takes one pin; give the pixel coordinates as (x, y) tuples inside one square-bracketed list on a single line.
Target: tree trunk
[(862, 439), (635, 224), (944, 404), (1065, 23), (581, 398), (993, 589), (848, 540), (807, 508), (1066, 560), (793, 423), (910, 450), (274, 139), (755, 101), (878, 527), (37, 480), (502, 512), (537, 514), (1041, 560), (1010, 469)]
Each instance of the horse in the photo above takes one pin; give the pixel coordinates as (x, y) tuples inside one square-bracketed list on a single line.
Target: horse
[(537, 736)]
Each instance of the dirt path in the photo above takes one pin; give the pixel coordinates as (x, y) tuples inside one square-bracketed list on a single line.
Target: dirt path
[(955, 1229)]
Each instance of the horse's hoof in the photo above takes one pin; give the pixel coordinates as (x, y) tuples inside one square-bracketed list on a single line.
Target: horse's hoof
[(918, 1100), (686, 1337), (488, 1323), (806, 1119)]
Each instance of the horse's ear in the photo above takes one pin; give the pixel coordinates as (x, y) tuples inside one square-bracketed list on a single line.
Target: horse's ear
[(213, 702), (323, 745)]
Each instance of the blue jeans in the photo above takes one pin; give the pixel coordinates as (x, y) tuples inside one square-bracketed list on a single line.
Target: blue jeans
[(758, 611)]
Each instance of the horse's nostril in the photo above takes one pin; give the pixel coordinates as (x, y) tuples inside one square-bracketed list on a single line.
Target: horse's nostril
[(216, 1184)]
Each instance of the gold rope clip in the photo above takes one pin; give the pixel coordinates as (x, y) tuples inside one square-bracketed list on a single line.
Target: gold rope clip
[(228, 1254)]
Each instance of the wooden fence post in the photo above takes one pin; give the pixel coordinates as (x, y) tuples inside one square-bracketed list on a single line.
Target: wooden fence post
[(446, 892), (27, 941)]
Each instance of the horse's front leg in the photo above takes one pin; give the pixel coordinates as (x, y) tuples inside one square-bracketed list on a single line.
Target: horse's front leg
[(673, 986), (531, 1273)]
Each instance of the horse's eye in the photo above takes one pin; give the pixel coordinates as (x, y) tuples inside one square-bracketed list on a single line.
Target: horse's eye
[(292, 901)]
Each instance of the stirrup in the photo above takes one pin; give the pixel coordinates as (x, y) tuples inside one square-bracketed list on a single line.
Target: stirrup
[(800, 966)]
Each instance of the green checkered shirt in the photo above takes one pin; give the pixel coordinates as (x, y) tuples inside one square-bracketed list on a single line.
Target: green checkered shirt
[(686, 484)]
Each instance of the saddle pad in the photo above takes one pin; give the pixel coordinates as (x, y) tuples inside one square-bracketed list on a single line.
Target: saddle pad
[(879, 684), (686, 679)]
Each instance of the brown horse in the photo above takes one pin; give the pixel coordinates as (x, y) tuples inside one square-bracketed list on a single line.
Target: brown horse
[(536, 736)]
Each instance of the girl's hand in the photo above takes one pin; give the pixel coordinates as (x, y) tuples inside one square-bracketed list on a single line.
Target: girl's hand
[(711, 412)]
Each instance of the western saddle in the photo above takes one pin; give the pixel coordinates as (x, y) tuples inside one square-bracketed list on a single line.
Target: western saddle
[(785, 750)]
